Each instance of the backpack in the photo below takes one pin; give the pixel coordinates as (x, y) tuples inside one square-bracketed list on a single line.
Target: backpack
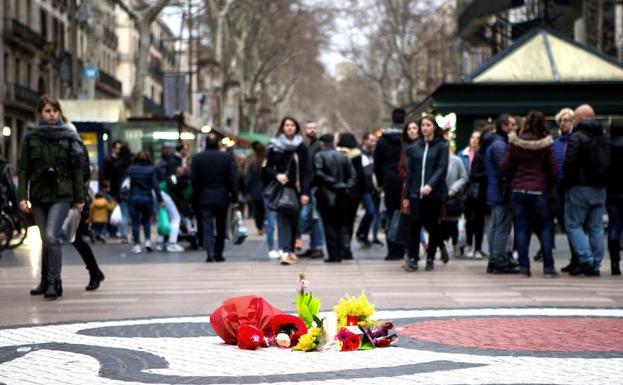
[(599, 154)]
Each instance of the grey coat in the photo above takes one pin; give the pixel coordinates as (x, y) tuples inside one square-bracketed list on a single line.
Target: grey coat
[(456, 178)]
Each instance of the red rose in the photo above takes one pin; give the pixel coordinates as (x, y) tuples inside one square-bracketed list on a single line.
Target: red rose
[(288, 324)]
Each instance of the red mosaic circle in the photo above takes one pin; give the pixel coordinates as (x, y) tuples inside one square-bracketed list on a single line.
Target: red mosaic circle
[(534, 334)]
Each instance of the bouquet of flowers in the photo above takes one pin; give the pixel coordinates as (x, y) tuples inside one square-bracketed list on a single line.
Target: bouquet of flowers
[(307, 307)]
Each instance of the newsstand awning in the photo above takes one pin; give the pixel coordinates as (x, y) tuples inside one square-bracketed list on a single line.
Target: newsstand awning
[(94, 111)]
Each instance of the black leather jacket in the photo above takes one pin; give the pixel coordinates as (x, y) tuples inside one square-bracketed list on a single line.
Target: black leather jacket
[(333, 176)]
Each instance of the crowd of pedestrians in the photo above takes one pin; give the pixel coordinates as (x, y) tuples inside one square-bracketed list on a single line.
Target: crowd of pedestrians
[(514, 177)]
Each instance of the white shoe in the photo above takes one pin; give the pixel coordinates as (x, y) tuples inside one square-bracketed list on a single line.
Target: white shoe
[(274, 254), (136, 249), (468, 252), (148, 246), (174, 248), (478, 255), (160, 247)]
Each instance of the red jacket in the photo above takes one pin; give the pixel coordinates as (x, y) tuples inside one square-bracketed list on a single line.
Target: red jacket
[(530, 162)]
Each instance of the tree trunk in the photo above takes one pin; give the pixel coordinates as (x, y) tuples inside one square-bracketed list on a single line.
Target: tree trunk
[(142, 67), (95, 33)]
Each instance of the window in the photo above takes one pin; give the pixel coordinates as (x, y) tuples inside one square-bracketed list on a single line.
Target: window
[(6, 67), (28, 75), (44, 23), (17, 72)]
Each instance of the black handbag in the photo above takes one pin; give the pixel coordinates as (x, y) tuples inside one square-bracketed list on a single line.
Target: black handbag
[(285, 200), (398, 231)]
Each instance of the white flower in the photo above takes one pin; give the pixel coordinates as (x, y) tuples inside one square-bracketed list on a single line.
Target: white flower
[(283, 340)]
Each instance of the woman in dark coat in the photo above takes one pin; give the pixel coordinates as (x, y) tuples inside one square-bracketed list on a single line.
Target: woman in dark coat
[(427, 166), (288, 163)]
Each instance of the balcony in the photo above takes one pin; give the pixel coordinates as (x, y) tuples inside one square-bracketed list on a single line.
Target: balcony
[(23, 36), (151, 107), (111, 39), (110, 83), (22, 96)]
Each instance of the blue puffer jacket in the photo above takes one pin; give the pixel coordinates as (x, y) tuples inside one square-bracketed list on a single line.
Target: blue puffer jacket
[(560, 149), (495, 144)]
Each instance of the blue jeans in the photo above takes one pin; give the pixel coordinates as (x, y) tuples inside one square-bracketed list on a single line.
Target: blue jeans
[(125, 211), (531, 211), (501, 222), (271, 225), (584, 207), (141, 209), (370, 218), (311, 223)]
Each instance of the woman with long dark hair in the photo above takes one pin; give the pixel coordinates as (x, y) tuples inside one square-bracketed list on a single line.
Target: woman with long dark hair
[(427, 166), (143, 184), (254, 187), (530, 161), (50, 179), (287, 163), (614, 197)]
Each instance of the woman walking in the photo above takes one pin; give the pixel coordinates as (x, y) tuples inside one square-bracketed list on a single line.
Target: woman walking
[(530, 161), (143, 183), (614, 198), (410, 135), (456, 179), (427, 166), (254, 188), (287, 163), (50, 179)]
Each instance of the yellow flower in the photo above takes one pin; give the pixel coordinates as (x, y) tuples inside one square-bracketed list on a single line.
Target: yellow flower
[(309, 341), (354, 306)]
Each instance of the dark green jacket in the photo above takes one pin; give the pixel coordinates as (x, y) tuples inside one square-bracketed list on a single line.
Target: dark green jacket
[(49, 167)]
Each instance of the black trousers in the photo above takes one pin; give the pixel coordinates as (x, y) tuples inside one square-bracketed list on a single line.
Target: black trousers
[(259, 213), (425, 212), (83, 248), (474, 224), (450, 230), (335, 228), (351, 214), (214, 217), (392, 203)]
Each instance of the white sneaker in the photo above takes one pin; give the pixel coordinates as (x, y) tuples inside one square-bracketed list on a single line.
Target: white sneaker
[(174, 248), (148, 246), (478, 255), (468, 252), (160, 247), (274, 254), (136, 249)]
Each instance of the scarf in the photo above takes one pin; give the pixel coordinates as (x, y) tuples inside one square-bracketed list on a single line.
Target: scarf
[(61, 130), (283, 144)]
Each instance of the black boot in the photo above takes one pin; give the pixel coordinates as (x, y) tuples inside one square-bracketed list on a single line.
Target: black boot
[(572, 264), (54, 290), (41, 288), (94, 281), (614, 250)]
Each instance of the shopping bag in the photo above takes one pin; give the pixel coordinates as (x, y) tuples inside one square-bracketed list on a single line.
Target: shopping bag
[(398, 231), (239, 231), (116, 217), (70, 225), (164, 225)]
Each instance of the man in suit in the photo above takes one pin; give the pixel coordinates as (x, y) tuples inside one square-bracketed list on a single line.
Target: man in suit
[(215, 184), (333, 176)]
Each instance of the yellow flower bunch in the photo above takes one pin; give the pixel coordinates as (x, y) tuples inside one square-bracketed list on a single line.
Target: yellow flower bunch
[(310, 340), (353, 306)]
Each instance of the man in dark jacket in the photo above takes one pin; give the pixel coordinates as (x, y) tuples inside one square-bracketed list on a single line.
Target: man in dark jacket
[(386, 160), (497, 199), (333, 177), (215, 182), (585, 179)]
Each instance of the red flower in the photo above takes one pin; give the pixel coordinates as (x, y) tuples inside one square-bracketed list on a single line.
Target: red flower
[(249, 337), (288, 324), (349, 340)]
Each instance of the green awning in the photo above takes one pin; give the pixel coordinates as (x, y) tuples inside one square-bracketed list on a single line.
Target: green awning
[(262, 138)]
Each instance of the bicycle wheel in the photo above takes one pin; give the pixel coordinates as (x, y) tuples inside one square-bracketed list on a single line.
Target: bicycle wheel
[(20, 230), (6, 230)]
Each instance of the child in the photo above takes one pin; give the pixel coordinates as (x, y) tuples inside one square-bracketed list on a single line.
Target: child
[(98, 216)]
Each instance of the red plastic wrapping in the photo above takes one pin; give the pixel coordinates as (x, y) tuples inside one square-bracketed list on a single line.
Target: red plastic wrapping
[(250, 337), (251, 310)]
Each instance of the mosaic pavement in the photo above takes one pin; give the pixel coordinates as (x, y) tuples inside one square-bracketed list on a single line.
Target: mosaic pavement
[(438, 346)]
